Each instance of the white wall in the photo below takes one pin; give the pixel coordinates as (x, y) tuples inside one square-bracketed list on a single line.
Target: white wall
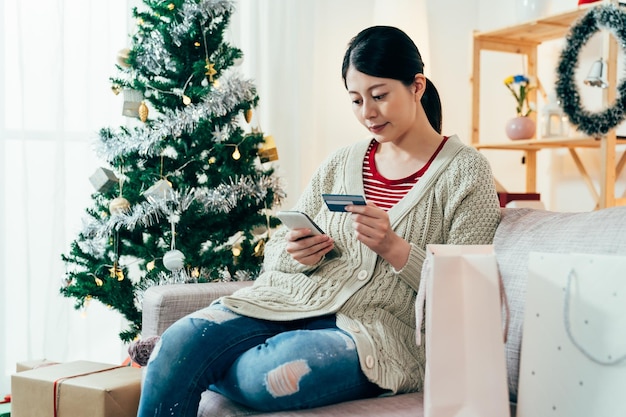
[(304, 105)]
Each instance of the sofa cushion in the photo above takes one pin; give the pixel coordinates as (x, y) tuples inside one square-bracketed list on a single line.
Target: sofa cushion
[(525, 230), (402, 405)]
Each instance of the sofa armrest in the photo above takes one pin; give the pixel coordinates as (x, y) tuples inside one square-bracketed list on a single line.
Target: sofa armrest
[(164, 304)]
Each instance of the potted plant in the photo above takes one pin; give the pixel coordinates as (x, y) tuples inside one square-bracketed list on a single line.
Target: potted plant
[(521, 126)]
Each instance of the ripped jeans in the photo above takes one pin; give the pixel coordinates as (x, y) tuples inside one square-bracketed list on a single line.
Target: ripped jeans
[(265, 365)]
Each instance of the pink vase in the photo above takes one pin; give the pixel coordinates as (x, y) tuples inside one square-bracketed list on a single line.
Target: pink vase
[(520, 128)]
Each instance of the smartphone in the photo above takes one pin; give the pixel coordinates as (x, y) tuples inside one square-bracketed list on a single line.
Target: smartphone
[(298, 220), (338, 202)]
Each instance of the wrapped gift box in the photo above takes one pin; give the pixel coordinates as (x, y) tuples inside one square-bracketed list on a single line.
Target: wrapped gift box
[(34, 364), (76, 389)]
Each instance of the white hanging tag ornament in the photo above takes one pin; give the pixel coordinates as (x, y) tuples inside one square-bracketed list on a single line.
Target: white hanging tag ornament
[(268, 151), (132, 101), (103, 180), (161, 190)]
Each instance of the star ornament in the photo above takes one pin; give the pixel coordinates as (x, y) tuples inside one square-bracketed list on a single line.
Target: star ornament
[(210, 70), (219, 135)]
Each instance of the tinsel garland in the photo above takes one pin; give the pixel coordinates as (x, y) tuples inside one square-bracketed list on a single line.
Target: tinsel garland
[(612, 18), (205, 10), (154, 54), (148, 139), (220, 199)]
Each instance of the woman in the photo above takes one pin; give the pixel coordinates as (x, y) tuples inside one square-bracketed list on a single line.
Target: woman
[(318, 327)]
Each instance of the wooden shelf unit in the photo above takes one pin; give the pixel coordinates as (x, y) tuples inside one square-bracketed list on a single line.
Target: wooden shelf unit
[(524, 39)]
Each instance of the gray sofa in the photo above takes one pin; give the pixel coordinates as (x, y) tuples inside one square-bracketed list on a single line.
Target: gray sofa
[(521, 231)]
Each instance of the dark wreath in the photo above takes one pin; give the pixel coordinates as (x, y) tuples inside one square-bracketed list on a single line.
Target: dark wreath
[(610, 17)]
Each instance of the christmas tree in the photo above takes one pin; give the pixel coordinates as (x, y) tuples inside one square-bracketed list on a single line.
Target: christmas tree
[(188, 192)]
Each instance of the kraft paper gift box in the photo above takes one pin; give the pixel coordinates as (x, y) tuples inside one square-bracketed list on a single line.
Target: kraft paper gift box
[(76, 389), (34, 364)]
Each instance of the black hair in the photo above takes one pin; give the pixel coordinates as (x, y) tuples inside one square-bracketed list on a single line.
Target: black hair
[(388, 52)]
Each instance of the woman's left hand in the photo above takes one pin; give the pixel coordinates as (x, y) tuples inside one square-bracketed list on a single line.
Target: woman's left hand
[(372, 227)]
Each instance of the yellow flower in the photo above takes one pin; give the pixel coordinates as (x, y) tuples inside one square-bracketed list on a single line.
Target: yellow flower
[(519, 86)]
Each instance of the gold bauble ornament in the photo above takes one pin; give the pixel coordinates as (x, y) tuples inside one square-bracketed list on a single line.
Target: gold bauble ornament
[(248, 115), (119, 205), (143, 111), (122, 57), (259, 249)]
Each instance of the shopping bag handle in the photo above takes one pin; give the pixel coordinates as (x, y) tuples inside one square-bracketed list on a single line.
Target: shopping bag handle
[(570, 334), (505, 303), (420, 300)]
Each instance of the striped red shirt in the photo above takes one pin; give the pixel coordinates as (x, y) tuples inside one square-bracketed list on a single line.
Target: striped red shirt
[(383, 192)]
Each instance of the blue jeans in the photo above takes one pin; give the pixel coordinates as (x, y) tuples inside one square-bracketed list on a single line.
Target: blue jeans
[(265, 365)]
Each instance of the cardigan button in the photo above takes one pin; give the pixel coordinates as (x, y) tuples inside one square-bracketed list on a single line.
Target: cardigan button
[(362, 275), (369, 361)]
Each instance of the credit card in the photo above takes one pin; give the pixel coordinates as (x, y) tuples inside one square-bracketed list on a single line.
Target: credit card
[(338, 202)]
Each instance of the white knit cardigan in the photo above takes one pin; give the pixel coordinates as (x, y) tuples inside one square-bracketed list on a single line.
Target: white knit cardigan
[(454, 202)]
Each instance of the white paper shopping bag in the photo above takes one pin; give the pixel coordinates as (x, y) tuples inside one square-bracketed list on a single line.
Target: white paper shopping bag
[(465, 362), (573, 358)]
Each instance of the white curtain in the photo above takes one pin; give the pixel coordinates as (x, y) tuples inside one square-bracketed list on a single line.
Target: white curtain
[(58, 56)]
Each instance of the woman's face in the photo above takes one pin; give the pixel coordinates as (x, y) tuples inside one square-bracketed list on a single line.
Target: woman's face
[(386, 107)]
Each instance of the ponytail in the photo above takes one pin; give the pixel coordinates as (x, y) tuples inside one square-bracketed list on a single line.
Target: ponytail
[(432, 105)]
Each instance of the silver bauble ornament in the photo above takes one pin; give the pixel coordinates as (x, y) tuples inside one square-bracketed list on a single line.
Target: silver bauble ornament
[(174, 260)]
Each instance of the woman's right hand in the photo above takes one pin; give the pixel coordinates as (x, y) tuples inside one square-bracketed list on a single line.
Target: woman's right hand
[(306, 248)]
